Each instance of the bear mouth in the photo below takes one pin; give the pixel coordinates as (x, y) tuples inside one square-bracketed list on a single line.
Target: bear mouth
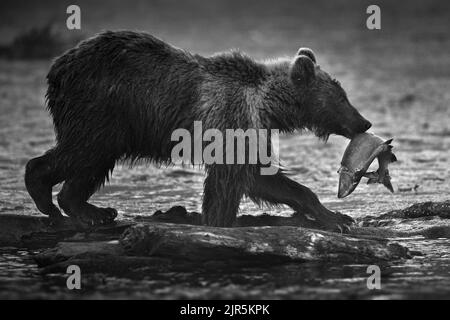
[(346, 132)]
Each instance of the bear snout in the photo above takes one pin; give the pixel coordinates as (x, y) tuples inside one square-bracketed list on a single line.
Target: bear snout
[(367, 125), (360, 127)]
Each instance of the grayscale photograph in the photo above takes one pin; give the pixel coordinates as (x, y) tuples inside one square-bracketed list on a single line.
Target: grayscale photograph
[(228, 156)]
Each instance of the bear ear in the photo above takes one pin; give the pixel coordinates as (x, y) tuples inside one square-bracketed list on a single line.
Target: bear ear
[(302, 70), (307, 52)]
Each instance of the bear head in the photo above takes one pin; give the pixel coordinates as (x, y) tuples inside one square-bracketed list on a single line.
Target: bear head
[(324, 105)]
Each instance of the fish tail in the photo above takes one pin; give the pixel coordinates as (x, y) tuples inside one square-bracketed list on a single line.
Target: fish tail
[(374, 177)]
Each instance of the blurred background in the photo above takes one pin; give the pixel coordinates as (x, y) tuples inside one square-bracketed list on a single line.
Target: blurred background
[(398, 77)]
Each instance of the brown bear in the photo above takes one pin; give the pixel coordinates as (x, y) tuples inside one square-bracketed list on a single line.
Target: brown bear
[(120, 95)]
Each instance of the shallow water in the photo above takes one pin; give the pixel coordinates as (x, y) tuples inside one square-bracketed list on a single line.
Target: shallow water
[(418, 119), (421, 277)]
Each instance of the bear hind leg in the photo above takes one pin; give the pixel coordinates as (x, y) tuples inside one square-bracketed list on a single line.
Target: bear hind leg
[(76, 192), (41, 174)]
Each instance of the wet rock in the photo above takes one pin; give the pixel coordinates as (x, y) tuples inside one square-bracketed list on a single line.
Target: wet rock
[(162, 247), (420, 210), (177, 214), (39, 231), (268, 245)]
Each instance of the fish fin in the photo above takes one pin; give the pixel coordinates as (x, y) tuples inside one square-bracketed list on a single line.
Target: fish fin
[(388, 141)]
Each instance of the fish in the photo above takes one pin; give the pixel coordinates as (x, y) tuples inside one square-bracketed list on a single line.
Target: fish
[(358, 156)]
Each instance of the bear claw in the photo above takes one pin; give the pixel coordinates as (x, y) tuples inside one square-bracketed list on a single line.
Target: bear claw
[(335, 221), (94, 216)]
